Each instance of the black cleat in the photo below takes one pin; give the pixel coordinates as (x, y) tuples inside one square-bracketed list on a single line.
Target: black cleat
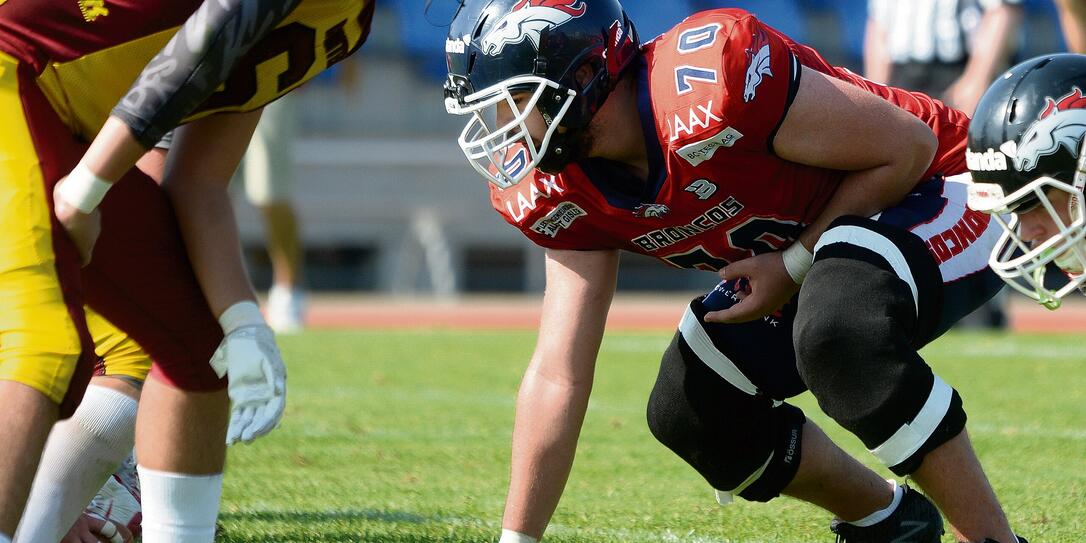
[(916, 520)]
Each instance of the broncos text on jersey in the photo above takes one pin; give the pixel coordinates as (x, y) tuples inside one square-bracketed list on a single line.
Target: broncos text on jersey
[(713, 92)]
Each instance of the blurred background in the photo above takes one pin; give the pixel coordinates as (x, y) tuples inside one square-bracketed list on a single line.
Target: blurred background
[(383, 201)]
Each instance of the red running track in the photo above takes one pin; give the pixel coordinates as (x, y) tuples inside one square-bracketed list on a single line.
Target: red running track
[(627, 313)]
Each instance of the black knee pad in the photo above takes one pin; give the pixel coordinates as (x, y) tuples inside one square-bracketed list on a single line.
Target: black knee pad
[(866, 306), (740, 443)]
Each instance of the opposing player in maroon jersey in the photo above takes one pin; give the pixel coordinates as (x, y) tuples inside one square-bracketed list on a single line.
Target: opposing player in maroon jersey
[(120, 75), (723, 145)]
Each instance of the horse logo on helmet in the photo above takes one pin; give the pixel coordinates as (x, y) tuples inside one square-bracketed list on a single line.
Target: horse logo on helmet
[(1061, 124), (527, 21)]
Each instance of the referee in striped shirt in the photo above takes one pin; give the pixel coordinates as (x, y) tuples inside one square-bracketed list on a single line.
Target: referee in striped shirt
[(951, 49)]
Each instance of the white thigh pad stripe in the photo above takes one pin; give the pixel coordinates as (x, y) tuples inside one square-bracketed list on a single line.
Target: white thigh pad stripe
[(724, 497), (699, 342), (862, 237), (910, 437)]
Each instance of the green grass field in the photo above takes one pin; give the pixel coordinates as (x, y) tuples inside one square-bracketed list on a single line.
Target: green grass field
[(404, 437)]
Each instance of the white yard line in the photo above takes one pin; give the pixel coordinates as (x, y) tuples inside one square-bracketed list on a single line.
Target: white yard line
[(626, 535), (1030, 431)]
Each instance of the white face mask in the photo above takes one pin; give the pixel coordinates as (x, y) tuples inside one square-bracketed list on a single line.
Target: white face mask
[(1022, 264), (505, 154)]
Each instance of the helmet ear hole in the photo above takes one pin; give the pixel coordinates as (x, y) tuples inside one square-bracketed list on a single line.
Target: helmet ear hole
[(479, 27), (584, 76)]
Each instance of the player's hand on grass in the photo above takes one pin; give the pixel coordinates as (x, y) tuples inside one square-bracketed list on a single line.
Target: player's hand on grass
[(769, 288), (91, 529), (83, 228), (250, 359)]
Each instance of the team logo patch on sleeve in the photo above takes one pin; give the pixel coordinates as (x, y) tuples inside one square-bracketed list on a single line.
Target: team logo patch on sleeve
[(757, 65), (560, 218)]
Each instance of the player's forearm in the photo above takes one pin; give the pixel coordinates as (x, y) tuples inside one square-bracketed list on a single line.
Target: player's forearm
[(867, 192), (209, 228), (195, 62), (883, 148), (113, 152), (548, 422)]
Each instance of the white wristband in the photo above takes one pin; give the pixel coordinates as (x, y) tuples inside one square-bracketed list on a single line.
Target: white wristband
[(241, 314), (83, 190), (509, 536), (797, 261)]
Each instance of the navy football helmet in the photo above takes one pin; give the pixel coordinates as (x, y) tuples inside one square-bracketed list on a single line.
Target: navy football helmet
[(532, 48), (1026, 147)]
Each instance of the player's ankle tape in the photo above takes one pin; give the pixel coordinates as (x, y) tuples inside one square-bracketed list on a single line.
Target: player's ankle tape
[(83, 190)]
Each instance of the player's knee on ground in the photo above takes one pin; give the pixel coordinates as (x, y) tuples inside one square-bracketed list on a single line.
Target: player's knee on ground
[(740, 444), (856, 349)]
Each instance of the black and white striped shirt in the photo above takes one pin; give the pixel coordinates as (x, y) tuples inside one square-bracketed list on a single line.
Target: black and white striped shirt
[(928, 31)]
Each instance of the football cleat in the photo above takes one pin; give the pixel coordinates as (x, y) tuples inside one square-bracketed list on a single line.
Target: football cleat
[(916, 520), (119, 500)]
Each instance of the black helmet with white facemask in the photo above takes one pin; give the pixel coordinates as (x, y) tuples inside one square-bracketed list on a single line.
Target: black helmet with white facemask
[(1025, 152), (560, 57)]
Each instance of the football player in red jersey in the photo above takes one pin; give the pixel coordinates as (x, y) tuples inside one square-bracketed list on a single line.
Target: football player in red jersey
[(723, 145), (63, 68), (1033, 165)]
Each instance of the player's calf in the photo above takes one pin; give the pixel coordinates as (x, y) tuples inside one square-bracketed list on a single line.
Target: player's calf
[(80, 454)]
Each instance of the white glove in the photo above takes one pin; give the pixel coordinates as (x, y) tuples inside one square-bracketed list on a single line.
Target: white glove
[(249, 357)]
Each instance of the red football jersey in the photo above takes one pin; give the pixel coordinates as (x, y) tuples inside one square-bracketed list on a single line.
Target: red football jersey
[(713, 92)]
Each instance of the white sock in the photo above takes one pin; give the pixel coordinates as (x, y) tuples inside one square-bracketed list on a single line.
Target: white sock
[(882, 514), (4, 539), (179, 508), (509, 536), (82, 452)]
